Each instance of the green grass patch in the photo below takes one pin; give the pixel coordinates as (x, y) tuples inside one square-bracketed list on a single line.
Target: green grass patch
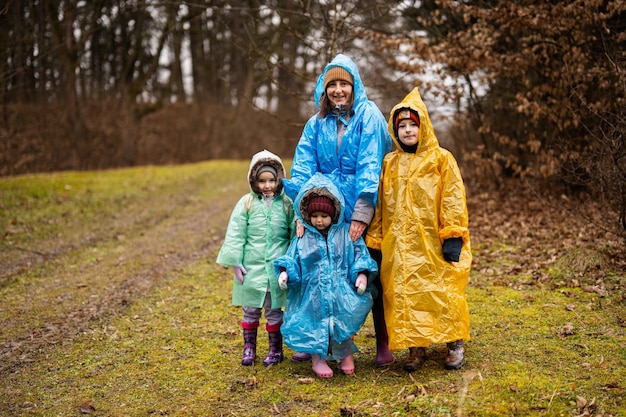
[(132, 317)]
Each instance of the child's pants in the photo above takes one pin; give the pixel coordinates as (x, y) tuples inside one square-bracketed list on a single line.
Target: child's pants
[(273, 316)]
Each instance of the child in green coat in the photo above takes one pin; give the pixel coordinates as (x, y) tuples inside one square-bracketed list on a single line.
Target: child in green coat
[(259, 231)]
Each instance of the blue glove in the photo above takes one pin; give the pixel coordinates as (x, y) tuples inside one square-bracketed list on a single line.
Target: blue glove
[(452, 249)]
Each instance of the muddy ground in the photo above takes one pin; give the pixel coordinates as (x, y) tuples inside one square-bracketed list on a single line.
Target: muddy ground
[(94, 265)]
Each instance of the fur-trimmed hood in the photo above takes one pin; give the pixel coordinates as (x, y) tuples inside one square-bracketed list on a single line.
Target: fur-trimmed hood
[(319, 185), (260, 159)]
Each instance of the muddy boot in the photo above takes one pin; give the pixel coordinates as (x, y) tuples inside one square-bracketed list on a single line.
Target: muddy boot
[(383, 354), (415, 360), (456, 355), (275, 354), (249, 342)]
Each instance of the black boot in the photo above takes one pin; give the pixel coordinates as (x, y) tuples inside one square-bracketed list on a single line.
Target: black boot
[(383, 354), (249, 342), (275, 354), (456, 355)]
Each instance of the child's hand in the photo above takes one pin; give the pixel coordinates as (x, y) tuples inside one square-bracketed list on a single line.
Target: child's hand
[(361, 283), (282, 280), (299, 229), (240, 271), (451, 249)]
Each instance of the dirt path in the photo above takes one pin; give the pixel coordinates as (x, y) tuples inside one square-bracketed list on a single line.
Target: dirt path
[(101, 260), (74, 262), (95, 267)]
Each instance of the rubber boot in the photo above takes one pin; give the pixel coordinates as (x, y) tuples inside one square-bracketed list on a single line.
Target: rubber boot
[(249, 342), (383, 354), (275, 354)]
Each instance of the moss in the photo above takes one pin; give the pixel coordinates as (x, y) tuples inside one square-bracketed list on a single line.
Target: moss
[(127, 312)]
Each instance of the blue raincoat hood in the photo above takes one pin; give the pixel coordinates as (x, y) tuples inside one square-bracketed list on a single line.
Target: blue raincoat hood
[(358, 89), (353, 165)]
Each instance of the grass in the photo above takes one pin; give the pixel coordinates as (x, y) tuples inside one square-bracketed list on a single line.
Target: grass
[(126, 314)]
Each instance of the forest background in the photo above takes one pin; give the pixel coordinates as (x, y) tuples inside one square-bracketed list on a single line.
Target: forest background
[(532, 90), (112, 304)]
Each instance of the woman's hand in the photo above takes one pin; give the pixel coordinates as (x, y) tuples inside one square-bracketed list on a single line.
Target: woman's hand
[(356, 229)]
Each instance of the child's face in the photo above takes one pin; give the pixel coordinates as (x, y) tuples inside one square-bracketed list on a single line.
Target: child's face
[(339, 92), (407, 132), (266, 182), (320, 220)]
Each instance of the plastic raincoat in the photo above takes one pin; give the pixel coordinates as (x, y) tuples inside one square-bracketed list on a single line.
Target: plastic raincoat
[(256, 235), (421, 203), (322, 302), (355, 166)]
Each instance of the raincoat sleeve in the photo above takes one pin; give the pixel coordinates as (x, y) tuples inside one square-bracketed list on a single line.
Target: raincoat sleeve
[(374, 237), (291, 217), (291, 264), (305, 162), (363, 262), (231, 252), (453, 216), (374, 145)]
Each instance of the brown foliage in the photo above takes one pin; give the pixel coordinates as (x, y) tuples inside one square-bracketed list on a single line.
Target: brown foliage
[(544, 84), (31, 139)]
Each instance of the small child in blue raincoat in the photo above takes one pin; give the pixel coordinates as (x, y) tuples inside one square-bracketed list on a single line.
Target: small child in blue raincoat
[(259, 231), (327, 276)]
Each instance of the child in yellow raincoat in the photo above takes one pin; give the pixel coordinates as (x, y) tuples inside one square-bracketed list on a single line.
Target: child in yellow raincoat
[(421, 227)]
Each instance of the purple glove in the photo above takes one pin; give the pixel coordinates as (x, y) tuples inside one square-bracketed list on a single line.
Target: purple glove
[(240, 271)]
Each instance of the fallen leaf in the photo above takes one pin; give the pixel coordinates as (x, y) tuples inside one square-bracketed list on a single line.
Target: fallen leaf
[(86, 408)]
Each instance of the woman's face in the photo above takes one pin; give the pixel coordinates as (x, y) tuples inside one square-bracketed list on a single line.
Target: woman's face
[(339, 92)]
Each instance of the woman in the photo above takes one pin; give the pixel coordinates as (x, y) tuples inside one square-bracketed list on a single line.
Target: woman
[(346, 140)]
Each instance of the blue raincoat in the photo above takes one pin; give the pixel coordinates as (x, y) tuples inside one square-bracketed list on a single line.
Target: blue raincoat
[(322, 302), (355, 166)]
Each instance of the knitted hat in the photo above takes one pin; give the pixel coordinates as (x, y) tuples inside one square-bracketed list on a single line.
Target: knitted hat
[(406, 114), (322, 204), (337, 73), (267, 168)]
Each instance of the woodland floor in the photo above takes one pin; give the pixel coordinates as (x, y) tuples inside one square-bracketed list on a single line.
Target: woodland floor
[(80, 250)]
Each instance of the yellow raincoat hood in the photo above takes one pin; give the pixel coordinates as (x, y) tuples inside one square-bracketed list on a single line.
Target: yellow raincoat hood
[(421, 202)]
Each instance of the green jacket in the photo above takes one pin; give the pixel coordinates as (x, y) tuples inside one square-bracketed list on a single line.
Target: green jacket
[(257, 234)]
